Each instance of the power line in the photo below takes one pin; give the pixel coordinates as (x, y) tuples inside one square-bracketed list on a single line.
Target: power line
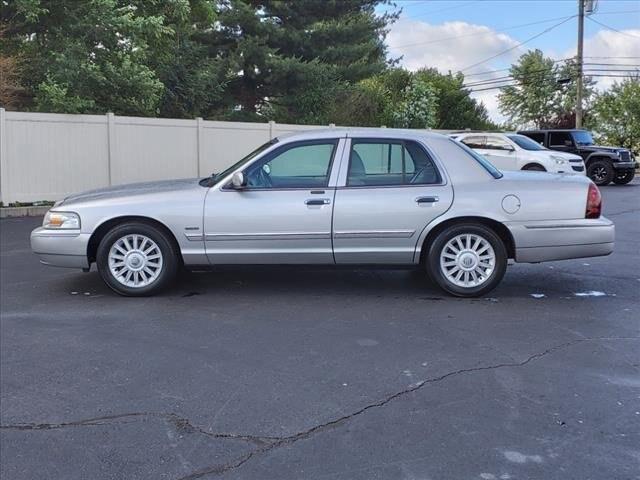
[(506, 69), (617, 12), (613, 29), (442, 9), (491, 32), (519, 83), (611, 57), (542, 73), (546, 30)]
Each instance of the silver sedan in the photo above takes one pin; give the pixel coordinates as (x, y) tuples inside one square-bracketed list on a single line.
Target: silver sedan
[(361, 197)]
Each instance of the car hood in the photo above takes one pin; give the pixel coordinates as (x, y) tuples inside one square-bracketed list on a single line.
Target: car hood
[(131, 190), (601, 148), (546, 154)]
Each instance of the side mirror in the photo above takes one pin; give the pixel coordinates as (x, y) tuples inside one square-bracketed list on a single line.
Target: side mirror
[(238, 181), (568, 143), (510, 148)]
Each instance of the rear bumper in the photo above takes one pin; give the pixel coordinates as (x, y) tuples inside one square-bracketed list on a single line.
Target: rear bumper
[(61, 248), (552, 240)]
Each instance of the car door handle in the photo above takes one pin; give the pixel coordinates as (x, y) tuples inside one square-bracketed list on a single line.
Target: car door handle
[(317, 201), (427, 199)]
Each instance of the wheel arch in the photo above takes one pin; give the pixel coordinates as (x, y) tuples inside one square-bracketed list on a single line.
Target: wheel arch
[(499, 228), (102, 229), (534, 164), (599, 156)]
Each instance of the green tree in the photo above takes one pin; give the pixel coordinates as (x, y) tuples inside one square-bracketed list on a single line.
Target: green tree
[(395, 98), (419, 106), (456, 108), (289, 55), (132, 57), (537, 97), (615, 115)]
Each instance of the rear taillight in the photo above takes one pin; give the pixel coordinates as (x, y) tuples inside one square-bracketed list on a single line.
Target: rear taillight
[(594, 202)]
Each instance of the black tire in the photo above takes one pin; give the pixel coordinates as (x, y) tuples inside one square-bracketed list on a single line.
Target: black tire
[(534, 167), (600, 172), (624, 177), (168, 265), (435, 270)]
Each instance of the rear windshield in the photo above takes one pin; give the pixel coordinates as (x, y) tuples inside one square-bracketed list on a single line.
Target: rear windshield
[(488, 166), (525, 142)]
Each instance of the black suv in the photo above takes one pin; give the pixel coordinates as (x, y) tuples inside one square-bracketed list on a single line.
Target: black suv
[(604, 164)]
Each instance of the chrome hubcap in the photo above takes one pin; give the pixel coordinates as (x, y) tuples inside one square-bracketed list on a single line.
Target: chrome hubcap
[(467, 260), (135, 260)]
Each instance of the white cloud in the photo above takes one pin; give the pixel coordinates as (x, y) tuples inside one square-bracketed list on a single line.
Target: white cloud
[(411, 40), (419, 44), (416, 43), (608, 44)]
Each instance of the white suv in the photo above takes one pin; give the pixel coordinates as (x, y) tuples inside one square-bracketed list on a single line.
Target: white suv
[(510, 151)]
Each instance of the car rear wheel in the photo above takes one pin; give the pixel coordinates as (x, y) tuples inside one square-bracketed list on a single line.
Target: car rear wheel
[(136, 259), (467, 260), (601, 172), (623, 178)]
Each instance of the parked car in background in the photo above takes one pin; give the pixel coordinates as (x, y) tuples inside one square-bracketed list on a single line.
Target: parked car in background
[(604, 164), (334, 197), (510, 151)]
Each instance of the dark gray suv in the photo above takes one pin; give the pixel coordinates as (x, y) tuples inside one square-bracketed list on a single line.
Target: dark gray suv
[(604, 164)]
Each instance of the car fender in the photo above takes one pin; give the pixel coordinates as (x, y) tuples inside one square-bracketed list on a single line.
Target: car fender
[(607, 155)]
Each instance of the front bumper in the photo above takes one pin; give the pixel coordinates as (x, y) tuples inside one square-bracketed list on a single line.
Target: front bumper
[(625, 165), (572, 168), (61, 248), (561, 240)]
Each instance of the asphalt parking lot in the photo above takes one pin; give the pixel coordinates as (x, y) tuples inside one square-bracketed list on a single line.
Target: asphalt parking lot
[(321, 374)]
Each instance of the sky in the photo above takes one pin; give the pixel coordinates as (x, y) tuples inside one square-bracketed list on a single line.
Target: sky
[(458, 34)]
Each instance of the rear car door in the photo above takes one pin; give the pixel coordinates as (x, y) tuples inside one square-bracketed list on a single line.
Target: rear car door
[(283, 215), (500, 153), (388, 191)]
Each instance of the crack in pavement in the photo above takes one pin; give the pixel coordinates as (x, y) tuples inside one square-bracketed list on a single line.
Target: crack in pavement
[(267, 443), (223, 468), (181, 424)]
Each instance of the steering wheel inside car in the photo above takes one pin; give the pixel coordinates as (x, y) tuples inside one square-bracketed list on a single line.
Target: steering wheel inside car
[(260, 177)]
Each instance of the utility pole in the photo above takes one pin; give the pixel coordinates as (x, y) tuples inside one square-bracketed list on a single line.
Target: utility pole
[(579, 62)]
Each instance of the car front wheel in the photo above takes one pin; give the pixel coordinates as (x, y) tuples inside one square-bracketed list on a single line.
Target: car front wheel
[(467, 260), (136, 259)]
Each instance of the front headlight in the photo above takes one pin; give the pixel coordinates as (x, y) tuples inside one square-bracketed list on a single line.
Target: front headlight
[(559, 160), (61, 220)]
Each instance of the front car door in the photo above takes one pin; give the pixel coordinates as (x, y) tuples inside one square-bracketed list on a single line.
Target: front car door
[(388, 191), (283, 215), (562, 141)]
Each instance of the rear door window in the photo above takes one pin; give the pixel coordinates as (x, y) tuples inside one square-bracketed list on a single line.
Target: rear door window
[(388, 163)]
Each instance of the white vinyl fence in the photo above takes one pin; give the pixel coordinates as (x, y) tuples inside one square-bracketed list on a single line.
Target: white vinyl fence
[(46, 156)]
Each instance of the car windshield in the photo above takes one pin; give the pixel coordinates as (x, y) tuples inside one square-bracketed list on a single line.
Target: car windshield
[(525, 142), (582, 137), (245, 159), (486, 164)]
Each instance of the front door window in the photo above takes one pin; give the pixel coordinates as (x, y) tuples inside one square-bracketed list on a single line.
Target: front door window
[(302, 165)]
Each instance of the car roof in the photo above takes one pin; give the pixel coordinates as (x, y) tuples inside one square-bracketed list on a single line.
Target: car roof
[(468, 133), (543, 130), (399, 133)]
